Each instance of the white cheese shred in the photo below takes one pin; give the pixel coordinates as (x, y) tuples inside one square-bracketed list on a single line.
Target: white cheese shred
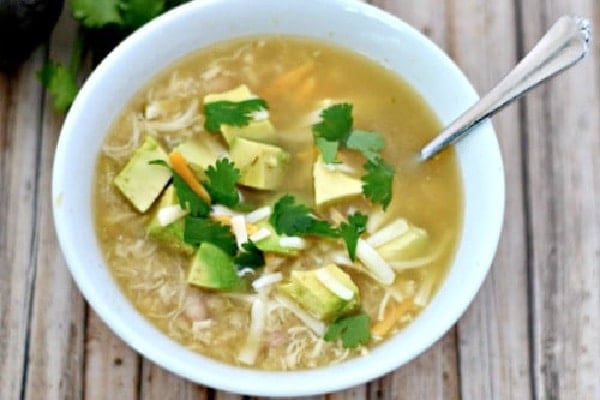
[(266, 280), (238, 223), (388, 233), (260, 234), (314, 324), (249, 351), (376, 265), (334, 286), (258, 215), (169, 214), (219, 210), (292, 242)]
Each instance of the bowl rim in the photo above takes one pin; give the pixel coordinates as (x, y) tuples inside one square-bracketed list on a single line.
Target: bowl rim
[(217, 374)]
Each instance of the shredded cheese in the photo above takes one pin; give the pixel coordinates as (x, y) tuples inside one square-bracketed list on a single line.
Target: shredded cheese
[(335, 286), (260, 234), (238, 223), (292, 242), (258, 314), (388, 233), (267, 279), (378, 267), (258, 215), (168, 215)]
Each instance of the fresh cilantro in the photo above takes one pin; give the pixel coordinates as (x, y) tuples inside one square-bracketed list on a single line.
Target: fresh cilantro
[(233, 113), (61, 83), (96, 13), (188, 199), (350, 231), (352, 330), (136, 13), (199, 230), (222, 178), (294, 219), (328, 149), (250, 256), (368, 143), (336, 123), (377, 182)]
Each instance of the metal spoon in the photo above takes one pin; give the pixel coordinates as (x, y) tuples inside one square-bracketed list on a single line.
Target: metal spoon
[(565, 43)]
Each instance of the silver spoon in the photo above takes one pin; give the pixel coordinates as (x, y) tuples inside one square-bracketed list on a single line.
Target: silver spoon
[(565, 43)]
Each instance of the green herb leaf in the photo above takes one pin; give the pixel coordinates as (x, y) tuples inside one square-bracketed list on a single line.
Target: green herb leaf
[(368, 143), (333, 129), (188, 199), (135, 13), (233, 113), (222, 178), (198, 230), (350, 231), (250, 256), (352, 330), (377, 182), (294, 219), (328, 149), (96, 13), (61, 83)]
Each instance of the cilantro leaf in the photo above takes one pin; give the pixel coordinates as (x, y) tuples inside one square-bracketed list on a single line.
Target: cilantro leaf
[(368, 143), (336, 123), (294, 219), (377, 182), (350, 231), (136, 13), (222, 178), (352, 330), (188, 199), (234, 113), (328, 149), (61, 83), (250, 256), (96, 13), (198, 230)]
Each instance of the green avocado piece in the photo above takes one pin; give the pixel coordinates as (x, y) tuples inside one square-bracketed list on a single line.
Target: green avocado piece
[(171, 234), (212, 268), (200, 152), (258, 130), (411, 243), (139, 181), (306, 289), (331, 185), (262, 165)]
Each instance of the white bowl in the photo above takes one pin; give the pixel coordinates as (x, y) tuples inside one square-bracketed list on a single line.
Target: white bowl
[(351, 24)]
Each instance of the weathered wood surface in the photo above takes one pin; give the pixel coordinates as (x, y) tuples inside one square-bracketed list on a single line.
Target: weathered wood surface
[(533, 331)]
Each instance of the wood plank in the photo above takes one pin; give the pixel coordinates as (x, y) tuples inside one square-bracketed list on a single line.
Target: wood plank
[(56, 351), (563, 173), (19, 145), (159, 384), (493, 334)]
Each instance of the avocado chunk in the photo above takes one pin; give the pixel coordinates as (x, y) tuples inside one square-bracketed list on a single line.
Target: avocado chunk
[(167, 224), (139, 181), (212, 268), (262, 165), (332, 185), (260, 130), (200, 152), (412, 243), (319, 292)]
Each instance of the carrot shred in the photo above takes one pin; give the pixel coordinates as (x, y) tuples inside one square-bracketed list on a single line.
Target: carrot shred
[(180, 166), (393, 315), (288, 80)]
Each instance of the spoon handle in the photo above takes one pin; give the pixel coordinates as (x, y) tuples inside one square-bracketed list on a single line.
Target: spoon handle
[(565, 43)]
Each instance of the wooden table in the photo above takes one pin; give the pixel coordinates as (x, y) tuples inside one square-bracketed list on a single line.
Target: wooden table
[(532, 332)]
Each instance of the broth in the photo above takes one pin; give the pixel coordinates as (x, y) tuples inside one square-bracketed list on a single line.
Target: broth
[(216, 323)]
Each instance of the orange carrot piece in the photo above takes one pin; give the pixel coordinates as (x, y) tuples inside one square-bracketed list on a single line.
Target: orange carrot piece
[(180, 166), (393, 315)]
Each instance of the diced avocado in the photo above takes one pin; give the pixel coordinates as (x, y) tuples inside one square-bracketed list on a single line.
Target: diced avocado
[(262, 165), (169, 229), (331, 185), (271, 243), (200, 152), (306, 289), (139, 181), (259, 130), (212, 268), (411, 243)]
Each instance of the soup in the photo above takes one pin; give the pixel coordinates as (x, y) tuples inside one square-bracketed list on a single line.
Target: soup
[(257, 202)]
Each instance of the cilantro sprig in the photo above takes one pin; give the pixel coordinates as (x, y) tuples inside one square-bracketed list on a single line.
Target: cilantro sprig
[(351, 230), (198, 230), (352, 330), (233, 113), (221, 183), (378, 180), (296, 219), (250, 256)]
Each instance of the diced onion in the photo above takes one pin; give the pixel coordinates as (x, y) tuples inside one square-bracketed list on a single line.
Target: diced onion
[(335, 286), (249, 351), (314, 324), (267, 279), (378, 267), (292, 242), (388, 233), (168, 215), (258, 215), (238, 223), (260, 234)]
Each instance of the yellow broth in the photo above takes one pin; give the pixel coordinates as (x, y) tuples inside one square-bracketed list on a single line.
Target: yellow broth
[(215, 324)]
